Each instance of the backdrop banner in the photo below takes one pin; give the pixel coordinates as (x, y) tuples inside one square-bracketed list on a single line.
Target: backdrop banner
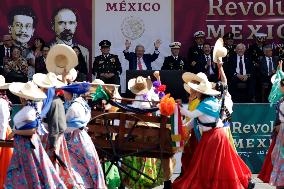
[(251, 129), (217, 17), (141, 22)]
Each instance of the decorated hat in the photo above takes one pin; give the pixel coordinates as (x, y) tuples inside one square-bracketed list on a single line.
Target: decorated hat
[(260, 35), (199, 34), (47, 80), (219, 50), (3, 84), (229, 35), (77, 88), (139, 85), (191, 77), (175, 45), (27, 91), (105, 43), (61, 57)]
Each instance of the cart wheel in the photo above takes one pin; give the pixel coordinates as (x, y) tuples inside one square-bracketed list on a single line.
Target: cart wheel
[(121, 140)]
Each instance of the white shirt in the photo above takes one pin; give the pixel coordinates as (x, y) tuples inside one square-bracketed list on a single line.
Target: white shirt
[(203, 118), (76, 110), (244, 66), (142, 62), (268, 62), (4, 118), (9, 53), (151, 96), (24, 116), (208, 58)]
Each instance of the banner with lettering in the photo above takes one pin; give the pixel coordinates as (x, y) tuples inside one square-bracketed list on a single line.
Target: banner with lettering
[(251, 129), (60, 21), (217, 17), (141, 22)]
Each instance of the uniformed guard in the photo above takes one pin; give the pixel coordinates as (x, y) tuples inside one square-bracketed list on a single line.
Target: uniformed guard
[(230, 46), (256, 52), (280, 52), (107, 67), (175, 62), (196, 50)]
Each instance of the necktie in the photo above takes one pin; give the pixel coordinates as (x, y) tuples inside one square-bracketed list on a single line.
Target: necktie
[(241, 66), (209, 64), (7, 53), (270, 69), (139, 64)]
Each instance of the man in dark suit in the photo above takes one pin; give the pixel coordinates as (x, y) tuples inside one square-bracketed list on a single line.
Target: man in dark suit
[(138, 60), (243, 80), (5, 50), (174, 62), (40, 66), (196, 50), (268, 66), (106, 66), (205, 64)]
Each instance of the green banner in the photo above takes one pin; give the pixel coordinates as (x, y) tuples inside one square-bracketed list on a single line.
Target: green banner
[(251, 128)]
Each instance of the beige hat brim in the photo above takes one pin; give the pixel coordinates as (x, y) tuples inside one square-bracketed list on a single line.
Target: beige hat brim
[(61, 49), (40, 80), (131, 86), (35, 95), (218, 45), (5, 86), (189, 77), (195, 87)]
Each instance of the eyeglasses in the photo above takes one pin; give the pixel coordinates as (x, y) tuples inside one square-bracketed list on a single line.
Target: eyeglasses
[(19, 25)]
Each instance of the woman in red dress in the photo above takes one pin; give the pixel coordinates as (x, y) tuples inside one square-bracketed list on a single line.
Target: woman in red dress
[(215, 163)]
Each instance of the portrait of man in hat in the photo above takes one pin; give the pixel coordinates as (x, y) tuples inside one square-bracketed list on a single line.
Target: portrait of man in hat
[(64, 24)]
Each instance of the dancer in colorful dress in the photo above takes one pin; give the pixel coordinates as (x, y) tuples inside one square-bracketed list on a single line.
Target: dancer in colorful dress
[(221, 172), (5, 130), (277, 156), (54, 116), (275, 96), (30, 165), (83, 154)]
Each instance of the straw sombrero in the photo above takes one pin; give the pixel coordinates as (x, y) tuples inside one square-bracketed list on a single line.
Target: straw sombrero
[(27, 91), (61, 57), (47, 80), (3, 84), (204, 87), (189, 77), (72, 75), (139, 85), (219, 50)]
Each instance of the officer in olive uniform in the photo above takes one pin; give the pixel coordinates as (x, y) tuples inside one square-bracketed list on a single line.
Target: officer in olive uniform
[(175, 62), (196, 50), (255, 51), (107, 67), (280, 52)]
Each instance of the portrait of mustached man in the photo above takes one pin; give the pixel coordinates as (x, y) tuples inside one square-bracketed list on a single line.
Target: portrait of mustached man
[(64, 24), (21, 24)]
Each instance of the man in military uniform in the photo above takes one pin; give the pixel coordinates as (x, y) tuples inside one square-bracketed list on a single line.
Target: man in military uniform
[(174, 62), (230, 46), (107, 67), (280, 52), (196, 50), (256, 52)]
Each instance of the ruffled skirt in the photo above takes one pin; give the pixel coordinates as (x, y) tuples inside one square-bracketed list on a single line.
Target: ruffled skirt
[(30, 166), (215, 165), (84, 159)]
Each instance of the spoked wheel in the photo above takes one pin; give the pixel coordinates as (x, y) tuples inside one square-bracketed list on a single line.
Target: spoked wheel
[(129, 143)]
